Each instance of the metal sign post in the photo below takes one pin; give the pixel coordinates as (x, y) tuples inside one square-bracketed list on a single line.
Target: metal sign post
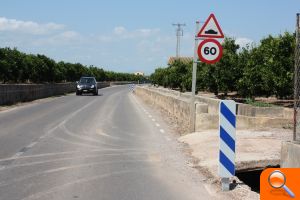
[(194, 77), (210, 52)]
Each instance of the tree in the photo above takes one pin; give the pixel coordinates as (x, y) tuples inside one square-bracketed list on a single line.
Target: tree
[(262, 70), (222, 76), (18, 67), (269, 68)]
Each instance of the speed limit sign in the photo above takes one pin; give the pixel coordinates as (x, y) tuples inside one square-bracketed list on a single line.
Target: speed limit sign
[(210, 51)]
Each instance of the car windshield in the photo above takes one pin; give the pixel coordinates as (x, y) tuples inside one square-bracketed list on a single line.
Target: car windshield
[(86, 80)]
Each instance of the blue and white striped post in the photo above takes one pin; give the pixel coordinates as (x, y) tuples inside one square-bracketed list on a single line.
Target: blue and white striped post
[(132, 87), (227, 142)]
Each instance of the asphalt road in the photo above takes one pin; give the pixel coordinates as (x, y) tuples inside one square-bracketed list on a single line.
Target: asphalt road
[(110, 147)]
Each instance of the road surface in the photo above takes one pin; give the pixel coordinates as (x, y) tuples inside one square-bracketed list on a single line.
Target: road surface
[(110, 147)]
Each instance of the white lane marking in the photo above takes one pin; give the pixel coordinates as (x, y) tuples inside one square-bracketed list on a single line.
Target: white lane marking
[(76, 143), (17, 155), (69, 153), (31, 145), (58, 160), (150, 116), (20, 153), (63, 169), (56, 189)]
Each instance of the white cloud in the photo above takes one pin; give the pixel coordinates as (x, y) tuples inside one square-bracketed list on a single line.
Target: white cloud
[(104, 38), (243, 42), (146, 32), (69, 35), (63, 38), (119, 30), (28, 26), (120, 47), (123, 33), (155, 46)]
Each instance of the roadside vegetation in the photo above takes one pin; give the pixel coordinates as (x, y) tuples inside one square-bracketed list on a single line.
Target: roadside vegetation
[(18, 67), (264, 70)]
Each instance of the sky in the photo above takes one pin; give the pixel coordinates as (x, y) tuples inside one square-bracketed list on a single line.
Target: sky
[(132, 35)]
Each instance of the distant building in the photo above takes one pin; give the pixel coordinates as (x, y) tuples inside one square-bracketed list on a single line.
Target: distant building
[(185, 60), (139, 73)]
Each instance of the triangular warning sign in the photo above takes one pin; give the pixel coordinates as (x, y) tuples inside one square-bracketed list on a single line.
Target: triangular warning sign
[(211, 28)]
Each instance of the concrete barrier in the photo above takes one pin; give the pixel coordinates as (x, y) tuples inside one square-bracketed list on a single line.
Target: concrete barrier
[(13, 93), (103, 84), (290, 152), (123, 82), (207, 110), (174, 105), (248, 110)]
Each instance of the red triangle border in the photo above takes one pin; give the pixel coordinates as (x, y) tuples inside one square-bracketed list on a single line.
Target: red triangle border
[(204, 26)]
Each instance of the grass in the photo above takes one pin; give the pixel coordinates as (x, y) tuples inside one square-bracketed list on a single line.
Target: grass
[(257, 103)]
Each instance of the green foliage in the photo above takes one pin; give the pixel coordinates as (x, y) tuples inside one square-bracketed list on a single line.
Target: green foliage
[(223, 75), (268, 68), (18, 67), (257, 103), (176, 75), (262, 70)]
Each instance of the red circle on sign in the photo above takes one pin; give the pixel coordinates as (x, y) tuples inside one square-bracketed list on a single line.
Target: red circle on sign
[(202, 58)]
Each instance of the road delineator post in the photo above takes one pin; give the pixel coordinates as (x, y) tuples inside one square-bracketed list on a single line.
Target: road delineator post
[(227, 130), (132, 87)]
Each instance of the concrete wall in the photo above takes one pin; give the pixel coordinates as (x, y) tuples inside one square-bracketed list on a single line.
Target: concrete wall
[(174, 105), (103, 84), (123, 82), (248, 110), (207, 110), (290, 153), (13, 93)]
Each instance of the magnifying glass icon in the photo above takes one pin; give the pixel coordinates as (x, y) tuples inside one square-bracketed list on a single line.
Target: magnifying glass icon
[(277, 180)]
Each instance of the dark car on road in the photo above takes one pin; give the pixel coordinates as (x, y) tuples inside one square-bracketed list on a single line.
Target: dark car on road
[(87, 85)]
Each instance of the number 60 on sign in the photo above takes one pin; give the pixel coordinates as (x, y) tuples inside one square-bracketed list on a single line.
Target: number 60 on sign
[(210, 51)]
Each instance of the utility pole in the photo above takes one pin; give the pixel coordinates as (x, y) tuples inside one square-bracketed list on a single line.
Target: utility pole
[(179, 33)]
